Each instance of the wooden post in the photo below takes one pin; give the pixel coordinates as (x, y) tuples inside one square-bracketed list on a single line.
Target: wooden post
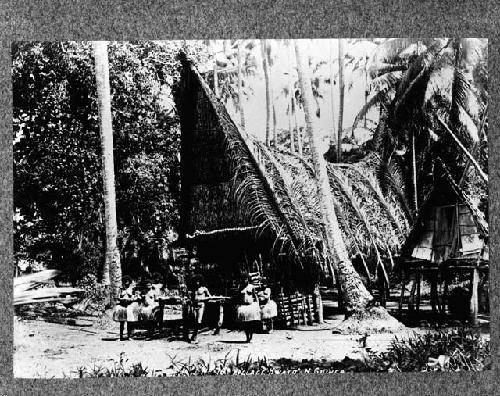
[(309, 310), (418, 291), (474, 304), (303, 305), (403, 285), (318, 305)]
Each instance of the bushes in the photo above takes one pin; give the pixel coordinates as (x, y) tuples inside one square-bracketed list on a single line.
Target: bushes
[(453, 350), (95, 295)]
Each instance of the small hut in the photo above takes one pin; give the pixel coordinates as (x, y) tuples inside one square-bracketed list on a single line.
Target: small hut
[(449, 236), (248, 207)]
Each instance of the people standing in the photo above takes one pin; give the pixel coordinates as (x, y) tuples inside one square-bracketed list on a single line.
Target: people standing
[(150, 303), (248, 313), (133, 311), (268, 308), (120, 311), (200, 296)]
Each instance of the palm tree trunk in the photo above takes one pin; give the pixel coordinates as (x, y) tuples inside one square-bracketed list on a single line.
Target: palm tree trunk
[(290, 127), (290, 101), (269, 107), (333, 136), (467, 153), (475, 149), (341, 100), (366, 90), (240, 95), (216, 79), (112, 268), (414, 171), (354, 293), (275, 132), (297, 129)]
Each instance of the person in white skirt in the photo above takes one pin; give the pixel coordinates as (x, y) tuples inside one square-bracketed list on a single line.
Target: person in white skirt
[(268, 308), (147, 308), (133, 311), (120, 311), (248, 313)]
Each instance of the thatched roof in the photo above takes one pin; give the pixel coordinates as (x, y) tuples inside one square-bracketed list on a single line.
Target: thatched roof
[(449, 225), (233, 182)]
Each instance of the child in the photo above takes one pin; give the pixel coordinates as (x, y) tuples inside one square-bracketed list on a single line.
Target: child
[(146, 311), (157, 282), (268, 308), (120, 312), (133, 311)]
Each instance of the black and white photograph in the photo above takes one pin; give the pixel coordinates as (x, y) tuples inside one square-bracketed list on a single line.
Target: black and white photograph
[(250, 206)]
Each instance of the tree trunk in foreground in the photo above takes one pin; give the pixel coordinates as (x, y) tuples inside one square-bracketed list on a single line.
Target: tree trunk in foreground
[(112, 268), (240, 94), (333, 135), (341, 100), (269, 106), (358, 301), (290, 100)]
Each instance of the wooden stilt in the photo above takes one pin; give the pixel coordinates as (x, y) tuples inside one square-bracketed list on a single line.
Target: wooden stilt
[(403, 286), (411, 300), (417, 308), (474, 303), (434, 292)]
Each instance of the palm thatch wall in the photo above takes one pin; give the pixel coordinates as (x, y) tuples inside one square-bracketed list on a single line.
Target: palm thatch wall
[(450, 226), (237, 194)]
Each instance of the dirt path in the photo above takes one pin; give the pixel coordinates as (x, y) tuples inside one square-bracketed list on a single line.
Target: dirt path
[(49, 350)]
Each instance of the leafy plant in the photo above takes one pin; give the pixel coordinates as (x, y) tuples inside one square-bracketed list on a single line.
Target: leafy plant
[(453, 350)]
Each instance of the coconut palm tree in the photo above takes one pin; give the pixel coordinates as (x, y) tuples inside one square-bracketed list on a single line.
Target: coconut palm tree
[(356, 298), (267, 79), (341, 99), (333, 136), (240, 82), (429, 107), (112, 268), (355, 295)]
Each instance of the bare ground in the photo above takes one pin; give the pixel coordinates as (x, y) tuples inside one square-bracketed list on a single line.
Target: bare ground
[(49, 350)]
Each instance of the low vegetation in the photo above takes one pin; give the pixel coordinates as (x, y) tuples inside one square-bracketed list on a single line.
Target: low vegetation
[(461, 349)]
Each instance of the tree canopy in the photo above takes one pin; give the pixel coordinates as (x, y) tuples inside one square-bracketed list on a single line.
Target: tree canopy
[(57, 185)]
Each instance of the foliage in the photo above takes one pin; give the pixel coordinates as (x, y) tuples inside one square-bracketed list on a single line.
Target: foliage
[(119, 369), (94, 296), (455, 350), (57, 164), (461, 348), (413, 82)]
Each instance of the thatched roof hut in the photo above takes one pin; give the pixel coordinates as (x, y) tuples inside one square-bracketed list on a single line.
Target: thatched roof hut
[(241, 199), (450, 227)]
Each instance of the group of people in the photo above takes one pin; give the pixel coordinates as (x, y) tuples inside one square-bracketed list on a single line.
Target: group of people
[(136, 305), (255, 307)]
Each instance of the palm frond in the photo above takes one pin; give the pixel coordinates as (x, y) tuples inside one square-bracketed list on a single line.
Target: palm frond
[(372, 233), (386, 82), (378, 98), (376, 71), (419, 69), (390, 177), (391, 49)]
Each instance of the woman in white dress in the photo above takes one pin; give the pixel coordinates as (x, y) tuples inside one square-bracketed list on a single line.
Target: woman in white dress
[(150, 303), (248, 313), (268, 308), (120, 311)]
